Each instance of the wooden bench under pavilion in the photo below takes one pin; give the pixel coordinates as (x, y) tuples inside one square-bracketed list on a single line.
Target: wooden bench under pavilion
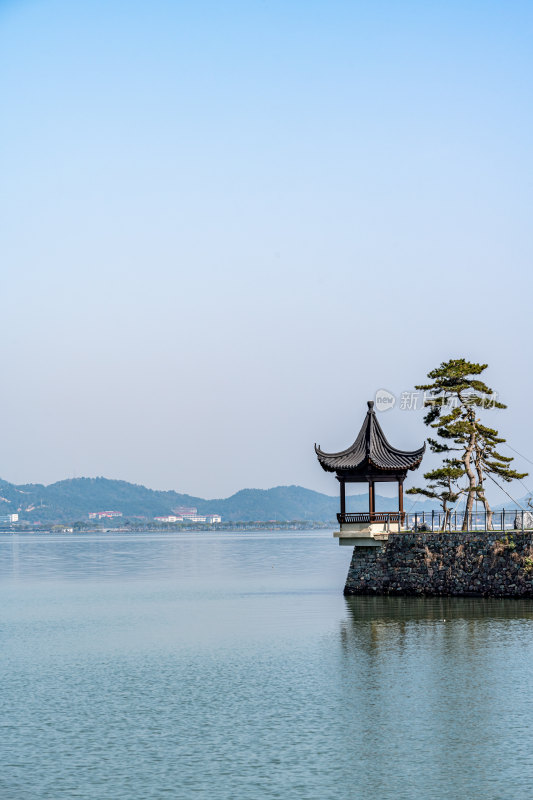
[(370, 459)]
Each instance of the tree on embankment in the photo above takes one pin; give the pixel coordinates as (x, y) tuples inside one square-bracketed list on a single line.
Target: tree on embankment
[(456, 399)]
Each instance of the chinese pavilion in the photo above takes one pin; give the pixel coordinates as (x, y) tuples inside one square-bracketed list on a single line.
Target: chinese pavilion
[(370, 459)]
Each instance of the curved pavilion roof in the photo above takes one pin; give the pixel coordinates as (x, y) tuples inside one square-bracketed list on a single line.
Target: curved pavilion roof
[(371, 449)]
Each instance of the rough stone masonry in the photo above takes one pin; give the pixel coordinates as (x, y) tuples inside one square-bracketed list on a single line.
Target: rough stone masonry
[(485, 564)]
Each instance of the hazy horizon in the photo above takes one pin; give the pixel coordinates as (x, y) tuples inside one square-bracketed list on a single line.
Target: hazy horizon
[(225, 227)]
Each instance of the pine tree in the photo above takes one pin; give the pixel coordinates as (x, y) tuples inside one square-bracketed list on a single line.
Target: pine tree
[(442, 483), (454, 400)]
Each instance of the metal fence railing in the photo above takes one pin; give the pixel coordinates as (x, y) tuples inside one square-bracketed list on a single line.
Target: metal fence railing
[(424, 521), (499, 520)]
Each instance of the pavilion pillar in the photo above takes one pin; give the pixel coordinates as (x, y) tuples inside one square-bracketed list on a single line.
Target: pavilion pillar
[(371, 499), (343, 496), (400, 499)]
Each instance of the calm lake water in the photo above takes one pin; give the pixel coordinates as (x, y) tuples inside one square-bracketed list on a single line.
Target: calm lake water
[(230, 667)]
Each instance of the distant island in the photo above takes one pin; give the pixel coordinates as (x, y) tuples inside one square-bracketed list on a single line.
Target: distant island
[(84, 502)]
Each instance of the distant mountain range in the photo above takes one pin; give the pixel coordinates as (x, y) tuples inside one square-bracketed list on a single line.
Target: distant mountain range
[(74, 499)]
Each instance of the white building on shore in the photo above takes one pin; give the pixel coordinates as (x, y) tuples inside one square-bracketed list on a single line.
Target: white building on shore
[(191, 517), (8, 518)]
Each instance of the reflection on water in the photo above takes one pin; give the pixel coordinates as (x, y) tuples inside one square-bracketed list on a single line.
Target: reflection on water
[(440, 687), (379, 618), (231, 666), (381, 623), (402, 609)]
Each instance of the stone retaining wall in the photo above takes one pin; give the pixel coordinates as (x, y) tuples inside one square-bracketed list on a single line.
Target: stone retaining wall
[(489, 564)]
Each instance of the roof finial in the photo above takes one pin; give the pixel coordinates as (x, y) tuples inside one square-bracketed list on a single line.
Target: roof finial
[(370, 405)]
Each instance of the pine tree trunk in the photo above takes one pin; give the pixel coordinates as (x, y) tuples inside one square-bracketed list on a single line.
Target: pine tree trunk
[(472, 483), (488, 512), (481, 495)]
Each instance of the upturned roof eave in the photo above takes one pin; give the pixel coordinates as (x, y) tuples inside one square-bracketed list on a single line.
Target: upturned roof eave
[(354, 467), (367, 445)]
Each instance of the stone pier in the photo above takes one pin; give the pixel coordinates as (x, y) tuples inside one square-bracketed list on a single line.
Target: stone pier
[(484, 564)]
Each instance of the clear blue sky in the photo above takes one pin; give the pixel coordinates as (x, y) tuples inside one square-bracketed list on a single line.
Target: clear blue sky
[(225, 225)]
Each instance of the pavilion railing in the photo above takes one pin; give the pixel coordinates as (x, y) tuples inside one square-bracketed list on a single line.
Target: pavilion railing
[(422, 522), (376, 516)]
